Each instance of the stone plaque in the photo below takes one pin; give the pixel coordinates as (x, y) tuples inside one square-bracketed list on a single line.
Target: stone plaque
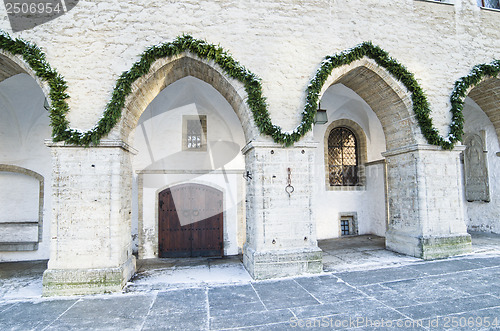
[(476, 169)]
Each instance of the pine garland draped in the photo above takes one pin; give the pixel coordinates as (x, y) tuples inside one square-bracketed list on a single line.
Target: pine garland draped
[(35, 58), (399, 72), (256, 101)]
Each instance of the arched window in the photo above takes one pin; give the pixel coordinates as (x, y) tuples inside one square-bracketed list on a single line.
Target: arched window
[(343, 158)]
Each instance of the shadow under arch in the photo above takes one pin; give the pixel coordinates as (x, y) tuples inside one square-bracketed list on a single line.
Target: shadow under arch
[(487, 96), (388, 98), (11, 65), (166, 71)]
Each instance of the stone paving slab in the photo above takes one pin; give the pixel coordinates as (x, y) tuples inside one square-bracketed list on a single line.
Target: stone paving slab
[(179, 301), (416, 295), (485, 262), (484, 281), (284, 294), (234, 300), (177, 321), (444, 267), (462, 289), (386, 295), (379, 275), (260, 318), (350, 308), (461, 305), (329, 289), (33, 315), (424, 290)]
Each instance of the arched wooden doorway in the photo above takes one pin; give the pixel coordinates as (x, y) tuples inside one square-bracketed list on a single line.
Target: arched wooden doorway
[(190, 221)]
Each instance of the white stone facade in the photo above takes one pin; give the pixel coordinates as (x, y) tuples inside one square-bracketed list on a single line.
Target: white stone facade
[(100, 202)]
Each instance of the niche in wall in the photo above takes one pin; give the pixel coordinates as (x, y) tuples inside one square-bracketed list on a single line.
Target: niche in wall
[(21, 208)]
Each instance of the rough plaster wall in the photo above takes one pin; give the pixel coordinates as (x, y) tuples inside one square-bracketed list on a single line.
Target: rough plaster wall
[(281, 41), (158, 139), (483, 216), (369, 204), (24, 125)]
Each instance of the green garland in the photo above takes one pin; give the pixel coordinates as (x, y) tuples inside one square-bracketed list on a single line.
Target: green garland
[(256, 102), (461, 89), (185, 43), (399, 72), (35, 58)]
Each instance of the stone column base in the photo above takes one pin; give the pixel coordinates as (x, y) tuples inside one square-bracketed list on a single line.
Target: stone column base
[(428, 247), (87, 281), (274, 264)]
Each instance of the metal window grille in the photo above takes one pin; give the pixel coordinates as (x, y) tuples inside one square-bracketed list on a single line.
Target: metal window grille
[(344, 227), (342, 157), (194, 131), (495, 4)]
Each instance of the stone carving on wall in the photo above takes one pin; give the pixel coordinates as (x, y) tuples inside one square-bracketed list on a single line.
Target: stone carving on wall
[(476, 168)]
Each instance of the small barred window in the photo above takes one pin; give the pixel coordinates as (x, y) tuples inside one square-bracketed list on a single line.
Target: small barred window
[(344, 227), (194, 133), (342, 157)]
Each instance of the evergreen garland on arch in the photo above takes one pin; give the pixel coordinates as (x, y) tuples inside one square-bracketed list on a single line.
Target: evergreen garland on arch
[(400, 73), (35, 58), (256, 102), (462, 87), (185, 43)]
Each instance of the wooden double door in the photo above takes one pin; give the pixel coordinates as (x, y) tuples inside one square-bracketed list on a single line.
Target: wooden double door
[(190, 221)]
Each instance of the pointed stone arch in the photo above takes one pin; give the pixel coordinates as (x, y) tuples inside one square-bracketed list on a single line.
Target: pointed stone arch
[(487, 96), (168, 70), (388, 98), (11, 65), (403, 111), (162, 73), (22, 134)]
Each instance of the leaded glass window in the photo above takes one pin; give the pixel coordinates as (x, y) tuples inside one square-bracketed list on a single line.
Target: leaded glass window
[(193, 134), (342, 157)]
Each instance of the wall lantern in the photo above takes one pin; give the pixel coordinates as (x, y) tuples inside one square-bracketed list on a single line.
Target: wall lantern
[(320, 117)]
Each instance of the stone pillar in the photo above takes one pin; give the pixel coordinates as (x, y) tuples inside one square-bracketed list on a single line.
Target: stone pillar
[(91, 248), (426, 212), (281, 235)]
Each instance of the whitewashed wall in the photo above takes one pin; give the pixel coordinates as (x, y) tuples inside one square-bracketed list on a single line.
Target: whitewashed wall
[(24, 126), (162, 163), (484, 216), (369, 204)]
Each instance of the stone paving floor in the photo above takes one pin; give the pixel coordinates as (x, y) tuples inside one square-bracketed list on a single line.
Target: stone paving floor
[(461, 293)]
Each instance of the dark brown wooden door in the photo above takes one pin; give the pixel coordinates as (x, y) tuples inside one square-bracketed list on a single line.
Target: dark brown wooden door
[(190, 221)]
